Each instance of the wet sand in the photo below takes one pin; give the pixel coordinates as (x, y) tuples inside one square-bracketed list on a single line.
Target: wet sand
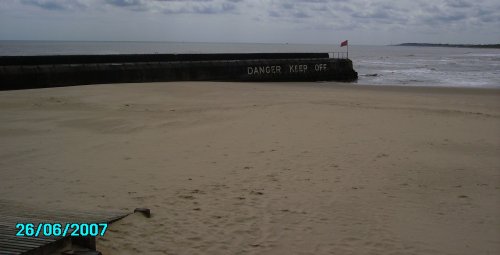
[(269, 168)]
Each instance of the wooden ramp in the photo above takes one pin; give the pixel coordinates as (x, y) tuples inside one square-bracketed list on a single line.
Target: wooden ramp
[(12, 213)]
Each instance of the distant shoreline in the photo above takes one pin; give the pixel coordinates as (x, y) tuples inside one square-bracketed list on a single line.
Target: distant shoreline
[(482, 46)]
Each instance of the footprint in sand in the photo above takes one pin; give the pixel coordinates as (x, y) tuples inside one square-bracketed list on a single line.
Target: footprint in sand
[(381, 155), (197, 191), (189, 197)]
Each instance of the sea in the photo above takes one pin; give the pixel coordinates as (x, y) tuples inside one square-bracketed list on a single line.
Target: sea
[(376, 65)]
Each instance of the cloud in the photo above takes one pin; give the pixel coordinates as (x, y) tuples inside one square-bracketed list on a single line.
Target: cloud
[(362, 13), (178, 6), (55, 5), (458, 4), (354, 16), (125, 3)]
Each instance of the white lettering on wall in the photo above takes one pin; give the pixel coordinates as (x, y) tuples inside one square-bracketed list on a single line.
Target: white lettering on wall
[(298, 68), (254, 70), (320, 67)]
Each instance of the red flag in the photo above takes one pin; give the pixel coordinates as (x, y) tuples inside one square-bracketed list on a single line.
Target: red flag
[(344, 43)]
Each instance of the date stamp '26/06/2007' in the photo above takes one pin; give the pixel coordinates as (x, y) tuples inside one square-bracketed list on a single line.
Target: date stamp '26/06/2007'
[(61, 229)]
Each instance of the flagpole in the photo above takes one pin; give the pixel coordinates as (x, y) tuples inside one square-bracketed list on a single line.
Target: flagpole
[(348, 50)]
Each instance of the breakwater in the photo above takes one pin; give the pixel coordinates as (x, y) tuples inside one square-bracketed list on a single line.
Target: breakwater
[(26, 72)]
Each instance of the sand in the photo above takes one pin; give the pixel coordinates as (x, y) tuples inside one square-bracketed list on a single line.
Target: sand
[(269, 168)]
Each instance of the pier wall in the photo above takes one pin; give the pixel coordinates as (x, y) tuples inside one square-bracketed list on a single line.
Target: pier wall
[(53, 71)]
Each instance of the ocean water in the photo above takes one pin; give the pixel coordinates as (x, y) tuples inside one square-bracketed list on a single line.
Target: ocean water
[(393, 65), (427, 66)]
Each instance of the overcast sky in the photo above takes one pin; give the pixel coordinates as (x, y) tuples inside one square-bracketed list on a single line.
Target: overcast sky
[(267, 21)]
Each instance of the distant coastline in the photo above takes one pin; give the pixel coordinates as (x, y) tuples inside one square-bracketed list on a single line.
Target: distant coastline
[(483, 46)]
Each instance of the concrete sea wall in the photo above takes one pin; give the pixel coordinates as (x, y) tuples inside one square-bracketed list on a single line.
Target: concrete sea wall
[(26, 72)]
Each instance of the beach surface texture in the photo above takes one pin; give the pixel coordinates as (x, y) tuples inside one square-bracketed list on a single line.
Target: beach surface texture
[(267, 168)]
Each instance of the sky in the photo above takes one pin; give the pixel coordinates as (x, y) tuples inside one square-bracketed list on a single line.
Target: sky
[(363, 22)]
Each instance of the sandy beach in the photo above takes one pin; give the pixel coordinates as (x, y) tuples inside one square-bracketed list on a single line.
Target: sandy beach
[(268, 168)]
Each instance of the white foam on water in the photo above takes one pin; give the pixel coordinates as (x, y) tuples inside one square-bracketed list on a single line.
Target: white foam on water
[(481, 55)]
